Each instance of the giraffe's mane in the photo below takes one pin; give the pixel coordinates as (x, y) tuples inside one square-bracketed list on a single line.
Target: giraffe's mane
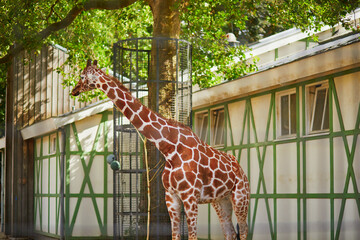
[(172, 122)]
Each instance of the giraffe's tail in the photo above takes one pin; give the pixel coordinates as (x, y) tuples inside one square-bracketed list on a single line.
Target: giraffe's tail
[(237, 232)]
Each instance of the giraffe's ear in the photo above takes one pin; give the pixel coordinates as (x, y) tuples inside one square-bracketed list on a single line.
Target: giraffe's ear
[(95, 63), (88, 63)]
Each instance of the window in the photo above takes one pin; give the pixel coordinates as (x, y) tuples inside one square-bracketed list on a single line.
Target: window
[(318, 107), (218, 127), (287, 114), (201, 125), (53, 142)]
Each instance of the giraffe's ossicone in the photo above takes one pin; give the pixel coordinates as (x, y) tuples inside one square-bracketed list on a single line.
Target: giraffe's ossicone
[(194, 173)]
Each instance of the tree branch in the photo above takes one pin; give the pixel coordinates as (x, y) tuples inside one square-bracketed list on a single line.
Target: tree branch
[(70, 17), (51, 10)]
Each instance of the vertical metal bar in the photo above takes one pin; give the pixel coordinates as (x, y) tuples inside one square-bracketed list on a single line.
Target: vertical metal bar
[(190, 82), (136, 144), (121, 175), (176, 101), (157, 80), (115, 210)]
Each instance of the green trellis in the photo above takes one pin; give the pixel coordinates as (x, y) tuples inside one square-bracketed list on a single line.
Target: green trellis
[(302, 196), (43, 194), (101, 213)]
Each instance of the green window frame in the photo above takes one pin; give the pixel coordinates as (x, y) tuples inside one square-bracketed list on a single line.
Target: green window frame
[(201, 125), (318, 107), (217, 127), (286, 114)]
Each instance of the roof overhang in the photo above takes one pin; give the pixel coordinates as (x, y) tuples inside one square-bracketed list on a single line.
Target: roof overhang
[(319, 61), (54, 123)]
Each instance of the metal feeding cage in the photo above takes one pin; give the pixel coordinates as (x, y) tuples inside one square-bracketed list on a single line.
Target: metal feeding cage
[(158, 72)]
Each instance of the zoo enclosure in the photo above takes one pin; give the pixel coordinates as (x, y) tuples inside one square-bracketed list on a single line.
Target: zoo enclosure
[(164, 65)]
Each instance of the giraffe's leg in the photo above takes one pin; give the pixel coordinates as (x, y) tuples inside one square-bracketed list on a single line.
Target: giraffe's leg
[(191, 211), (240, 201), (173, 204), (223, 209)]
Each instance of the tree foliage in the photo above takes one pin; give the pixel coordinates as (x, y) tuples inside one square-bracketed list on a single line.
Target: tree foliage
[(88, 28)]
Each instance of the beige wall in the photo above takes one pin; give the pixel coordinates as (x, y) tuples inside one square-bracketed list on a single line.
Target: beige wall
[(325, 156), (38, 90)]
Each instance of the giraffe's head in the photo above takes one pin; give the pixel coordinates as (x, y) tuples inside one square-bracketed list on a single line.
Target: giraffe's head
[(88, 78)]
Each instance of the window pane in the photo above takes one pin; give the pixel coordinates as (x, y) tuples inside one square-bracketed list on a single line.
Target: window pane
[(219, 128), (293, 113), (326, 116), (203, 128), (284, 115), (319, 109)]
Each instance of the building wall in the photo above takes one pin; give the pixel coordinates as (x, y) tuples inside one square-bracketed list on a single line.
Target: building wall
[(88, 180), (47, 184), (34, 93), (303, 180), (38, 90)]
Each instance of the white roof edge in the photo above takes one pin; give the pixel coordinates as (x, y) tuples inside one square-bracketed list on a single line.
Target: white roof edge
[(2, 142), (52, 124), (312, 51), (60, 47), (327, 60), (288, 36), (278, 40)]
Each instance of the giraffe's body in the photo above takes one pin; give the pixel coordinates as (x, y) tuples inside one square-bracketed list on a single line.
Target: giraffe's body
[(194, 172)]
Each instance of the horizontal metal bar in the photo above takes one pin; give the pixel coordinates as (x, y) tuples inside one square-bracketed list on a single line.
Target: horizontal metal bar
[(140, 214), (125, 128), (131, 171)]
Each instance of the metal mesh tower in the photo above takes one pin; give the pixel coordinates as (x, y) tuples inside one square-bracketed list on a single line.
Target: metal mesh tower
[(158, 72)]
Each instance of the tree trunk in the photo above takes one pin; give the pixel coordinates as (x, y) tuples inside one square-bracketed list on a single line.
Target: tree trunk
[(162, 75), (163, 56)]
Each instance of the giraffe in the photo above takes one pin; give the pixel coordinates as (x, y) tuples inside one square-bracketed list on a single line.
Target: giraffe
[(194, 172)]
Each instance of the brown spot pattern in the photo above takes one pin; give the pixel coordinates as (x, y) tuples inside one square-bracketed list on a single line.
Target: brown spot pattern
[(194, 172)]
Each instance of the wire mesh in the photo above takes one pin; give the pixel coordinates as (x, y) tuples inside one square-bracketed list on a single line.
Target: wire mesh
[(157, 71)]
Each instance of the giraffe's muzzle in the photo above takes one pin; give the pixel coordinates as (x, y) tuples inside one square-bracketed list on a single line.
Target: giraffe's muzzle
[(76, 90)]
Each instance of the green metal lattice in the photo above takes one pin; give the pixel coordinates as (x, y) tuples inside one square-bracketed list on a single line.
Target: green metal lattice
[(41, 209), (302, 138)]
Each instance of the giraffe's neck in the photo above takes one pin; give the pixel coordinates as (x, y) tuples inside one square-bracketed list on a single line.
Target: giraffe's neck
[(153, 126)]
